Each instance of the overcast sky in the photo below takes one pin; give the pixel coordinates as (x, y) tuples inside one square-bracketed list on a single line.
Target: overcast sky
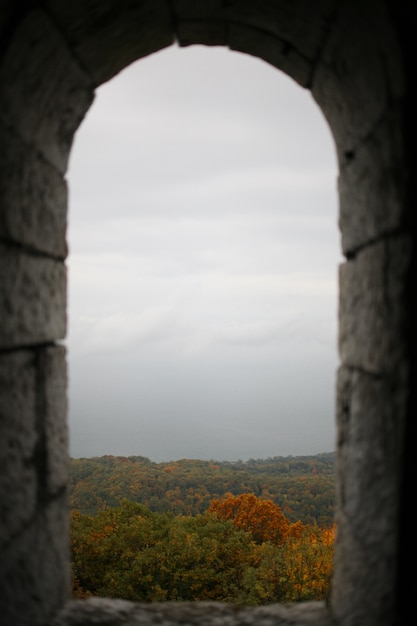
[(204, 252)]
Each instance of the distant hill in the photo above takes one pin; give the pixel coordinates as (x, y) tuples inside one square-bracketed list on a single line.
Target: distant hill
[(303, 486)]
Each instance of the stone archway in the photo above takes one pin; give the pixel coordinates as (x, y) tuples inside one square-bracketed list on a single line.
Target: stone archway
[(53, 55)]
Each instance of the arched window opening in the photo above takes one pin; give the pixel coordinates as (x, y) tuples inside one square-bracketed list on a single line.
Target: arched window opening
[(53, 56), (203, 264)]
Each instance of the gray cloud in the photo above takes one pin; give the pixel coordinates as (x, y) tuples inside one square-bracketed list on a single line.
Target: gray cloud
[(203, 264)]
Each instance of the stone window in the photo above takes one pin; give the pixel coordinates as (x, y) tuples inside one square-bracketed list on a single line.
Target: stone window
[(353, 57)]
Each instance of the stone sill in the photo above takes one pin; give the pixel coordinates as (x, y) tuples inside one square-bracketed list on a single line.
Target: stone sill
[(109, 612)]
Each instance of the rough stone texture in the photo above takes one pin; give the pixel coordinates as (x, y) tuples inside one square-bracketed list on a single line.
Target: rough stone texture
[(360, 393), (353, 94), (34, 569), (210, 33), (271, 50), (368, 532), (290, 26), (105, 612), (283, 38), (300, 25), (372, 322), (32, 298), (44, 94), (96, 28), (53, 379), (18, 438), (33, 198), (372, 198)]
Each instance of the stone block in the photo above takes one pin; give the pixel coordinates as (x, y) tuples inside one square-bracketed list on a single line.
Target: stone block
[(187, 10), (201, 23), (300, 25), (354, 95), (96, 28), (372, 306), (371, 412), (18, 439), (53, 379), (371, 417), (32, 298), (45, 93), (270, 49), (108, 612), (280, 35), (33, 198), (371, 187), (210, 33), (35, 571)]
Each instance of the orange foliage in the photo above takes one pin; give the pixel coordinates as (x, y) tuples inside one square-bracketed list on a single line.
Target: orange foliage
[(262, 518), (309, 564)]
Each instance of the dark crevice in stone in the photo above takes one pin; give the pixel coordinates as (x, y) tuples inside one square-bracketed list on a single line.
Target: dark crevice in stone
[(29, 347), (17, 246), (352, 253)]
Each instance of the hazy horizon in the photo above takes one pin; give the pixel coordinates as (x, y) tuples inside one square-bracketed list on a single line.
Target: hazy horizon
[(208, 460)]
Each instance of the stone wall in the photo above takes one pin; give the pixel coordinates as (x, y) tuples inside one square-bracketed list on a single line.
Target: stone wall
[(355, 58)]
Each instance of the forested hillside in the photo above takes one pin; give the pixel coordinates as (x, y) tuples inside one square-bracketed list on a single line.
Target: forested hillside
[(242, 550), (302, 486)]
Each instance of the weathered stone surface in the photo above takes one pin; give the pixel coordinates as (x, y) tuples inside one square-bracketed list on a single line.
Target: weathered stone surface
[(353, 94), (284, 37), (18, 438), (34, 569), (96, 28), (372, 322), (372, 187), (363, 471), (44, 93), (368, 489), (205, 23), (300, 24), (211, 33), (33, 198), (289, 25), (32, 298), (270, 49), (105, 612)]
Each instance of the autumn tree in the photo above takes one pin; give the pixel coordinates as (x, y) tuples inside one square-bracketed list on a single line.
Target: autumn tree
[(303, 569), (242, 551), (263, 519), (132, 553)]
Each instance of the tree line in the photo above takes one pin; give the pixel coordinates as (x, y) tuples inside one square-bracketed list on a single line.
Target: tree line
[(303, 487)]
